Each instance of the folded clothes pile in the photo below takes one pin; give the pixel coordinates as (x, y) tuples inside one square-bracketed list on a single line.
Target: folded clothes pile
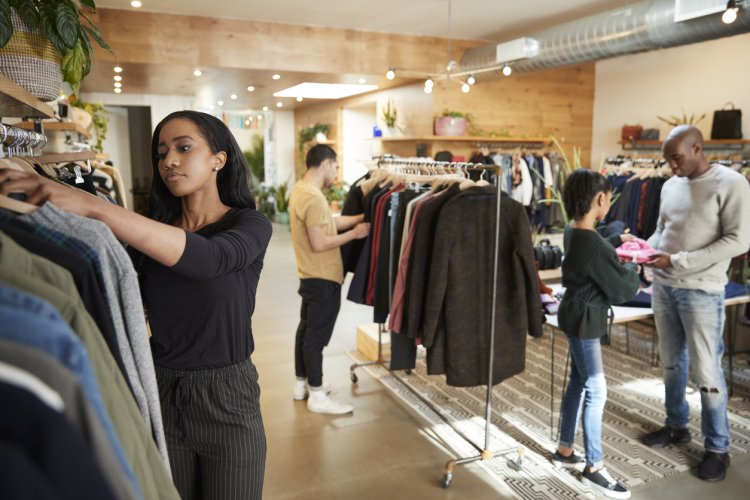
[(637, 250)]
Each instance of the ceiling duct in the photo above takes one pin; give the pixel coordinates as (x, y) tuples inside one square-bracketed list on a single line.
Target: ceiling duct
[(639, 27)]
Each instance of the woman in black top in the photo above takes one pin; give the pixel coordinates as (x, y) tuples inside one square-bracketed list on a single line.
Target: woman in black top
[(199, 255)]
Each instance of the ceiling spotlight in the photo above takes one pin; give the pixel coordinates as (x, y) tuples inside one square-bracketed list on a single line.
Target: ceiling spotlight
[(250, 88), (135, 3), (118, 90), (265, 108), (451, 66), (362, 81), (299, 99), (260, 117), (220, 103), (197, 72), (390, 74), (247, 121), (427, 89), (212, 107), (730, 15), (118, 78), (506, 70), (233, 97), (465, 88), (118, 85), (471, 80), (118, 69), (276, 77), (279, 104), (429, 82)]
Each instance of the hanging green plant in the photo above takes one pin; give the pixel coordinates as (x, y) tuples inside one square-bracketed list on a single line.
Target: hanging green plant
[(307, 134), (65, 25), (99, 120)]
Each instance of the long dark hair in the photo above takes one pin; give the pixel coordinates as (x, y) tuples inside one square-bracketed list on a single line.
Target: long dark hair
[(233, 180)]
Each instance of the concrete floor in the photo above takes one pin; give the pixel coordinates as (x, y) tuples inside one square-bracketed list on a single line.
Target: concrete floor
[(381, 451)]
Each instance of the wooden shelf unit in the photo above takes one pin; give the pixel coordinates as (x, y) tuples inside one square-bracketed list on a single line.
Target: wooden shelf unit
[(458, 145), (707, 144), (50, 125), (16, 101)]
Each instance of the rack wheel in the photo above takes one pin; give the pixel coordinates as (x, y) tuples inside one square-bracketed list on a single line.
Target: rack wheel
[(354, 378), (408, 372), (446, 480)]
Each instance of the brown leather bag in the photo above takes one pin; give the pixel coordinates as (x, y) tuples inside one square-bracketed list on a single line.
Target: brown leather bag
[(631, 132)]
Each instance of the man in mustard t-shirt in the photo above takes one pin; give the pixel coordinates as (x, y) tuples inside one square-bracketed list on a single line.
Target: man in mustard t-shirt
[(316, 240)]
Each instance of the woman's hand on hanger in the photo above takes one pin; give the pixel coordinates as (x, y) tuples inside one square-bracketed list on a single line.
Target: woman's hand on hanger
[(39, 190)]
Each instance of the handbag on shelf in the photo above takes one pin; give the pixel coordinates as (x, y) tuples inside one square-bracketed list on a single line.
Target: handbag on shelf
[(631, 132), (547, 256), (727, 123)]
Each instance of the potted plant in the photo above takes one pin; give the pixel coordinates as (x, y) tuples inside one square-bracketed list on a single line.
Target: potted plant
[(336, 194), (99, 120), (64, 51), (282, 203), (255, 159), (390, 118), (452, 123), (310, 133)]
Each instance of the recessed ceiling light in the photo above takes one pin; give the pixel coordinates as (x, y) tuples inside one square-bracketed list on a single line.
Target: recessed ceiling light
[(220, 103), (247, 121), (362, 81), (276, 77), (118, 85), (250, 88), (299, 99), (265, 108), (197, 72), (117, 90), (260, 117), (135, 3), (118, 69), (118, 78), (325, 90), (212, 107), (233, 97), (279, 104)]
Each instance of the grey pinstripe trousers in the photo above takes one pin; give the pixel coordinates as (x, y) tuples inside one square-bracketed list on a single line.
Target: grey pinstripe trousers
[(214, 431)]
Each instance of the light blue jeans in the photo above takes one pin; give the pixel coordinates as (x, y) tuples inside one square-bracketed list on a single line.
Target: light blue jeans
[(587, 393), (690, 325)]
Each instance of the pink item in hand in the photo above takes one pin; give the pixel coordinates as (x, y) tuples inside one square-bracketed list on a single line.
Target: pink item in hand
[(637, 250)]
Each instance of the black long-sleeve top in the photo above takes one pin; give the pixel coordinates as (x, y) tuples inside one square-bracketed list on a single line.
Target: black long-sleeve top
[(200, 309)]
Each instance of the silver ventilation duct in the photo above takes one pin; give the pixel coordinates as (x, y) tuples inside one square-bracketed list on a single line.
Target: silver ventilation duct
[(643, 26)]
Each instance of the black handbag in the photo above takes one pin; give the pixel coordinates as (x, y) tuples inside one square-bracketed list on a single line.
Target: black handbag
[(727, 123), (547, 256)]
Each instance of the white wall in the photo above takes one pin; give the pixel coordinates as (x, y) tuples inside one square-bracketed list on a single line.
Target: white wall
[(161, 105), (698, 78), (279, 148), (117, 146), (358, 143)]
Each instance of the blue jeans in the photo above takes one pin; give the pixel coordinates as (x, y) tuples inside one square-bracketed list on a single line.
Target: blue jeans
[(690, 325), (587, 388)]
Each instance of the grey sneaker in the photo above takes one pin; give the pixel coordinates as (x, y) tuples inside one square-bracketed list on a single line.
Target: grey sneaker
[(604, 484), (572, 461)]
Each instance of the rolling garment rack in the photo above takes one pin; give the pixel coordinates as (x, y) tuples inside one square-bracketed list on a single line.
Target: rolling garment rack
[(418, 167)]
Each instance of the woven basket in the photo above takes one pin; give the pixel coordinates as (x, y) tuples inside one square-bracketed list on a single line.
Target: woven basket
[(30, 60)]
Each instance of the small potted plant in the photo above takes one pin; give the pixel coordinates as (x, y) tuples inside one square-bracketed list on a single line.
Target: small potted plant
[(282, 203), (99, 120), (452, 123), (390, 118), (64, 49), (336, 194)]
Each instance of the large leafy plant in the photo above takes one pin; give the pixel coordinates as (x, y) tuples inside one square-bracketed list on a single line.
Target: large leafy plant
[(65, 25)]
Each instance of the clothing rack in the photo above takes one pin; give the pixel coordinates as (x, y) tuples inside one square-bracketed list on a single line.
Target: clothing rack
[(16, 141), (418, 166)]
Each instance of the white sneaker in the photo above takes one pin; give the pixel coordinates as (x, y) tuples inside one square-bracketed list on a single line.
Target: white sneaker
[(319, 402), (302, 392)]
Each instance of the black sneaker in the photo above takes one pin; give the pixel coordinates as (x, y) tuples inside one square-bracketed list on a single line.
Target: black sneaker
[(604, 484), (666, 435), (714, 466), (572, 461)]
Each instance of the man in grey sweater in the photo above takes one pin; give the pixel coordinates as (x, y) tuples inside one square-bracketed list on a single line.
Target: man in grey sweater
[(704, 221)]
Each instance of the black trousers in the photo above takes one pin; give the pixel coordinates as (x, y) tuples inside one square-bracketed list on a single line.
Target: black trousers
[(321, 301), (214, 431)]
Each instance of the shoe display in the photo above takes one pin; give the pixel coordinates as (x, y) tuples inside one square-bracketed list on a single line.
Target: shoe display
[(319, 402), (572, 461), (604, 484), (666, 435), (714, 466)]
